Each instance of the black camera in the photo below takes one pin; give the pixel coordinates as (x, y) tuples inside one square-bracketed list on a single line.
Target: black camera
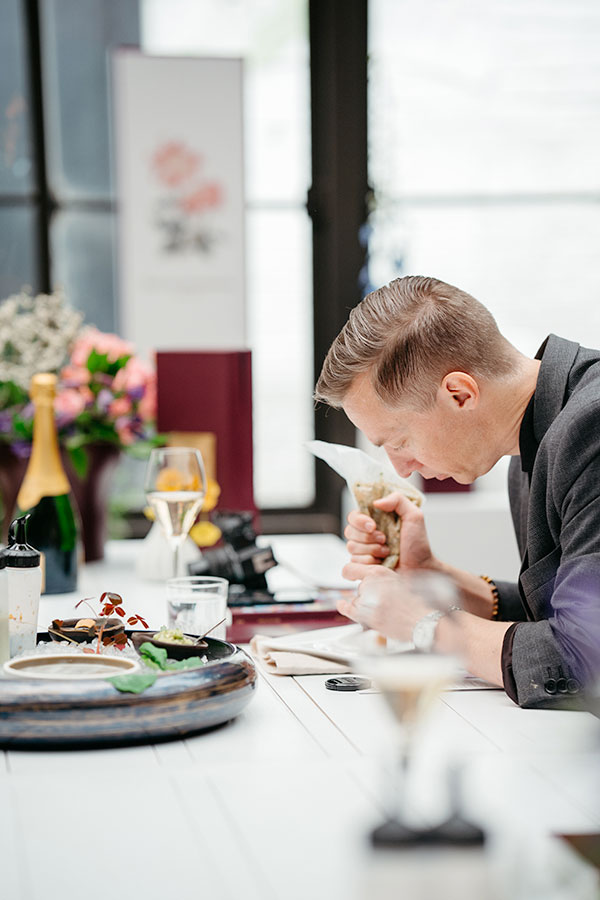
[(239, 560)]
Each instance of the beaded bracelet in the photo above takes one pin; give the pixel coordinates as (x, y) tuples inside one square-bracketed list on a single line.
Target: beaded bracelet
[(495, 597)]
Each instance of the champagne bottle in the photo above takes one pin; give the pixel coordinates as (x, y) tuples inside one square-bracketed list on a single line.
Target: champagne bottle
[(45, 495)]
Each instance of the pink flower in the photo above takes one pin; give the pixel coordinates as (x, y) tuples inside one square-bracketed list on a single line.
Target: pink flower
[(69, 403), (147, 405), (136, 374), (120, 407), (102, 342), (174, 163), (75, 376), (126, 434)]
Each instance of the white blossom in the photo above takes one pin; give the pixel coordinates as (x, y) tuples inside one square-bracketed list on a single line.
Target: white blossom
[(36, 335)]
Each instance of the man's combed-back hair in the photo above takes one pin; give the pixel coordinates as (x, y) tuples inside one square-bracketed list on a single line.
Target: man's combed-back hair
[(408, 335)]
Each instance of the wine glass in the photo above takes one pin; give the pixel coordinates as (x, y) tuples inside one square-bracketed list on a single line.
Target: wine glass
[(410, 682), (175, 487)]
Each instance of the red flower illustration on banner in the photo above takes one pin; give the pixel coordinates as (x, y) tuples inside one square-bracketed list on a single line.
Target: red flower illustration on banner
[(187, 199), (174, 163), (203, 198)]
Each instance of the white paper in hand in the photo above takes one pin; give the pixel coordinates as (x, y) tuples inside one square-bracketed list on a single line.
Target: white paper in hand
[(357, 467), (369, 480)]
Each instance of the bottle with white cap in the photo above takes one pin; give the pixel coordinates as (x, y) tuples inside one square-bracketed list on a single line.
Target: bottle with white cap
[(4, 649), (24, 579)]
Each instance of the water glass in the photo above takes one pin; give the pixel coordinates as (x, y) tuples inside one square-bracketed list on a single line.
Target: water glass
[(196, 603)]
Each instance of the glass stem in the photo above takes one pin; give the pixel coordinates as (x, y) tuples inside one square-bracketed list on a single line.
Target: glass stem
[(402, 771), (176, 557)]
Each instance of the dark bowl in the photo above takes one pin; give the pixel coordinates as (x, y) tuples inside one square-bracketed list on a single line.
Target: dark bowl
[(212, 648), (68, 632)]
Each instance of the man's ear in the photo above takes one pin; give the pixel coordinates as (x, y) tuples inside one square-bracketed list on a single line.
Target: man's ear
[(460, 390)]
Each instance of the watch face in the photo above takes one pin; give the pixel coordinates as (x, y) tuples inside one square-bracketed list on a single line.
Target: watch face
[(423, 634)]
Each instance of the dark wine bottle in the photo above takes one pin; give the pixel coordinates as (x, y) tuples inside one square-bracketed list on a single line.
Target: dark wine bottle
[(45, 495)]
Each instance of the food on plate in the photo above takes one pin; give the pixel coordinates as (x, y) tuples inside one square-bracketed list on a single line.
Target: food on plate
[(172, 636)]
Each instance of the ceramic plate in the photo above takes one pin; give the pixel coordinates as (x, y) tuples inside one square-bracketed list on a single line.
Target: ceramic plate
[(69, 666)]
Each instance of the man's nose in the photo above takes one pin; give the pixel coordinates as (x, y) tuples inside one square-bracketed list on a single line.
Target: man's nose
[(405, 471), (403, 463)]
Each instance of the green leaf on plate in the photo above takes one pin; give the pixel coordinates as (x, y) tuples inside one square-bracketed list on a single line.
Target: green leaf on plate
[(191, 662), (133, 684), (153, 656)]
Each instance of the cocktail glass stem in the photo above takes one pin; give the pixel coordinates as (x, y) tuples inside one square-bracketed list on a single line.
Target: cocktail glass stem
[(401, 772)]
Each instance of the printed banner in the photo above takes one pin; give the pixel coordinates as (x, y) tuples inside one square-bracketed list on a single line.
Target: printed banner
[(179, 178)]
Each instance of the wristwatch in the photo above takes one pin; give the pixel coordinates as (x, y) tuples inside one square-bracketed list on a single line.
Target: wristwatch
[(423, 634)]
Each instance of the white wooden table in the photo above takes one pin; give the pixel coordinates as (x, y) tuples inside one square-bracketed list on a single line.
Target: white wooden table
[(278, 803)]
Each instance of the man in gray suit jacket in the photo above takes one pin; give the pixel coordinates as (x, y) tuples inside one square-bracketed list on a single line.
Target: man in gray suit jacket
[(422, 369)]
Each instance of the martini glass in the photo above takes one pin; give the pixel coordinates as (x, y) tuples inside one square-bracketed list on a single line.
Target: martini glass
[(410, 682), (175, 487)]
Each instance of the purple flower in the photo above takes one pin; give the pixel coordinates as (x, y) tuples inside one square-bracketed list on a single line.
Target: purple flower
[(136, 393), (22, 449), (63, 419), (5, 422), (104, 399)]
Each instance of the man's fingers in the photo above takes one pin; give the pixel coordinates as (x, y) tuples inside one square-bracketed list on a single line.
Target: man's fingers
[(355, 548), (361, 522), (357, 610), (356, 570), (347, 607), (398, 502)]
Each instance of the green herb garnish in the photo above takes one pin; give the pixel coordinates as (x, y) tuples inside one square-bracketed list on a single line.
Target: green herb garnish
[(154, 658)]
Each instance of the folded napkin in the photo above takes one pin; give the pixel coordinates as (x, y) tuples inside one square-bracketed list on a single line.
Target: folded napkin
[(276, 659)]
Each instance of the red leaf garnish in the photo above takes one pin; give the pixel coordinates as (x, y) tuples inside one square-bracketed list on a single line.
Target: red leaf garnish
[(85, 600), (110, 602)]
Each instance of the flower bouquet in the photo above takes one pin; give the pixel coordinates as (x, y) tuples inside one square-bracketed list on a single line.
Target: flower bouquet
[(106, 396)]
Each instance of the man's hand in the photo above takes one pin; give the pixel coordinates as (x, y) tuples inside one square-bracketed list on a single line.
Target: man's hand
[(367, 546), (387, 602)]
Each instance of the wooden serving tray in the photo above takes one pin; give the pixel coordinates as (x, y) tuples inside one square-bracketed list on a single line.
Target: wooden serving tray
[(63, 714)]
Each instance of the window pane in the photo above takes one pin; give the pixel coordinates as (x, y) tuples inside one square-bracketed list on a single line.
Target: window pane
[(280, 330), (272, 39), (16, 176), (82, 245), (18, 268), (76, 35), (469, 97), (536, 267)]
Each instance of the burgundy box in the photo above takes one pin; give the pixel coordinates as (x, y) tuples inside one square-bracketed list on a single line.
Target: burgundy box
[(280, 619), (211, 391)]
